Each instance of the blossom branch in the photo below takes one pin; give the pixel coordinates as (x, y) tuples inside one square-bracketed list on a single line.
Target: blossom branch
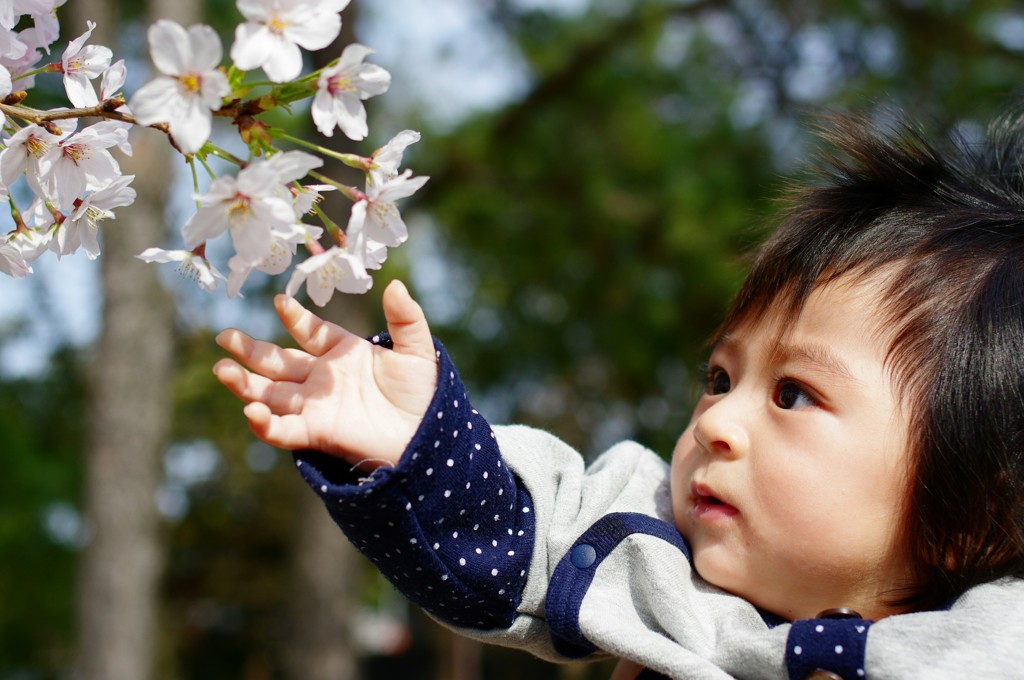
[(349, 192), (350, 159), (77, 182), (106, 109)]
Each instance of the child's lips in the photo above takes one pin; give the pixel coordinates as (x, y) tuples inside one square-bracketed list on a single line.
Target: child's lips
[(707, 505)]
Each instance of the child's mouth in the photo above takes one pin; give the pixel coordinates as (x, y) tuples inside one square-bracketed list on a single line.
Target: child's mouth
[(708, 506)]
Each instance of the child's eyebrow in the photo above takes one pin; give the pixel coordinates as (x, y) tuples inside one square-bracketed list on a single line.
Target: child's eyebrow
[(820, 355)]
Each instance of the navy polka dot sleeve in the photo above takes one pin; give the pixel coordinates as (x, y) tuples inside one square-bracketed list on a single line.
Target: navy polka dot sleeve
[(450, 526)]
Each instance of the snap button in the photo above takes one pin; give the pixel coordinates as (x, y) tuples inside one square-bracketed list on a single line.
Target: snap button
[(839, 613), (822, 674), (583, 556)]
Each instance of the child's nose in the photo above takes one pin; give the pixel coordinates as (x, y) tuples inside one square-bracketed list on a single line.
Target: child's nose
[(719, 430)]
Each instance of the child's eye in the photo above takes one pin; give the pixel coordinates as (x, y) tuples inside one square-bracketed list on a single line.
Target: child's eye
[(718, 381), (790, 395)]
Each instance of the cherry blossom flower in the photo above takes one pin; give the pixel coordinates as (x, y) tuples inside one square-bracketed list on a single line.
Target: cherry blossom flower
[(331, 270), (25, 149), (375, 223), (190, 87), (45, 27), (12, 48), (12, 10), (31, 42), (275, 29), (77, 182), (341, 90), (193, 266), (113, 79), (386, 159), (12, 262), (5, 89), (305, 197), (81, 227), (31, 243), (21, 65), (81, 63), (250, 206), (377, 213), (282, 250), (371, 253), (81, 162)]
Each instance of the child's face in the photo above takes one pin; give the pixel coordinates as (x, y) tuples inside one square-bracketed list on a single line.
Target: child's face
[(790, 477)]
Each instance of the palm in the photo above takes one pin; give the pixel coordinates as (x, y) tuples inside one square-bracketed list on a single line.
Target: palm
[(339, 393), (364, 401)]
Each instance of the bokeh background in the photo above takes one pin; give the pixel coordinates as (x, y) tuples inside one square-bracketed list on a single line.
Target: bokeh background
[(600, 169)]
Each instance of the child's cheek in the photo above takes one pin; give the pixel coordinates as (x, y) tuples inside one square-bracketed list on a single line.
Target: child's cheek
[(681, 476)]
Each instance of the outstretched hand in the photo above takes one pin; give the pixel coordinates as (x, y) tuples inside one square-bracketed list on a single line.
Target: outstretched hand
[(339, 393)]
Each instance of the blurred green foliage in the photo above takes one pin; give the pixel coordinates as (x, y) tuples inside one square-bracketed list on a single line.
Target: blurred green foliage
[(594, 231), (41, 435), (599, 224)]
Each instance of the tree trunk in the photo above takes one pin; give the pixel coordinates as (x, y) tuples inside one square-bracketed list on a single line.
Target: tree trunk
[(323, 598), (130, 412), (120, 568)]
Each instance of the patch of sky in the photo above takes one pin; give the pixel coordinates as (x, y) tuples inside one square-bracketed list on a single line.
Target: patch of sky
[(64, 525), (754, 102), (1007, 28), (879, 49), (569, 8), (54, 307), (441, 286), (674, 42), (817, 66), (447, 59), (186, 464)]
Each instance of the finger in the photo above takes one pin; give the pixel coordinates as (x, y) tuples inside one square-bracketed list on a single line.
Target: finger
[(406, 322), (313, 334), (282, 397), (284, 432), (266, 358)]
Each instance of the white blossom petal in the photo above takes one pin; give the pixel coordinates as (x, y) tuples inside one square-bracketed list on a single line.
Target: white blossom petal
[(113, 79), (252, 45), (79, 90), (286, 63), (205, 48), (169, 47), (317, 32), (191, 127), (157, 101)]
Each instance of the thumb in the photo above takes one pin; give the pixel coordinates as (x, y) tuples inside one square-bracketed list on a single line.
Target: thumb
[(406, 323)]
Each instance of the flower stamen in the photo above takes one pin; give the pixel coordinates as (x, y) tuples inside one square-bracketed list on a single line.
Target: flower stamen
[(239, 210), (76, 153), (36, 146), (191, 82), (277, 25)]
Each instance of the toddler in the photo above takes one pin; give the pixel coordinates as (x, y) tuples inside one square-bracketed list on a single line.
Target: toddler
[(847, 499)]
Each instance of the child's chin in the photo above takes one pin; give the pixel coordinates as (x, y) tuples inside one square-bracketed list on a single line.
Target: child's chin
[(715, 566)]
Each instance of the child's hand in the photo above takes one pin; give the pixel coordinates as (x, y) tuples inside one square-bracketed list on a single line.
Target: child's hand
[(342, 395)]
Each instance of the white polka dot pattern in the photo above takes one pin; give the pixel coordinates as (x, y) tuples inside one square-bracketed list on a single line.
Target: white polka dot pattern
[(450, 526)]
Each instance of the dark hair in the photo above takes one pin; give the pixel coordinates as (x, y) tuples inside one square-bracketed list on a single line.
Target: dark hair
[(948, 220)]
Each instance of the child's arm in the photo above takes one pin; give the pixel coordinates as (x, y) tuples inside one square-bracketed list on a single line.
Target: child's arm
[(338, 394), (440, 514)]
